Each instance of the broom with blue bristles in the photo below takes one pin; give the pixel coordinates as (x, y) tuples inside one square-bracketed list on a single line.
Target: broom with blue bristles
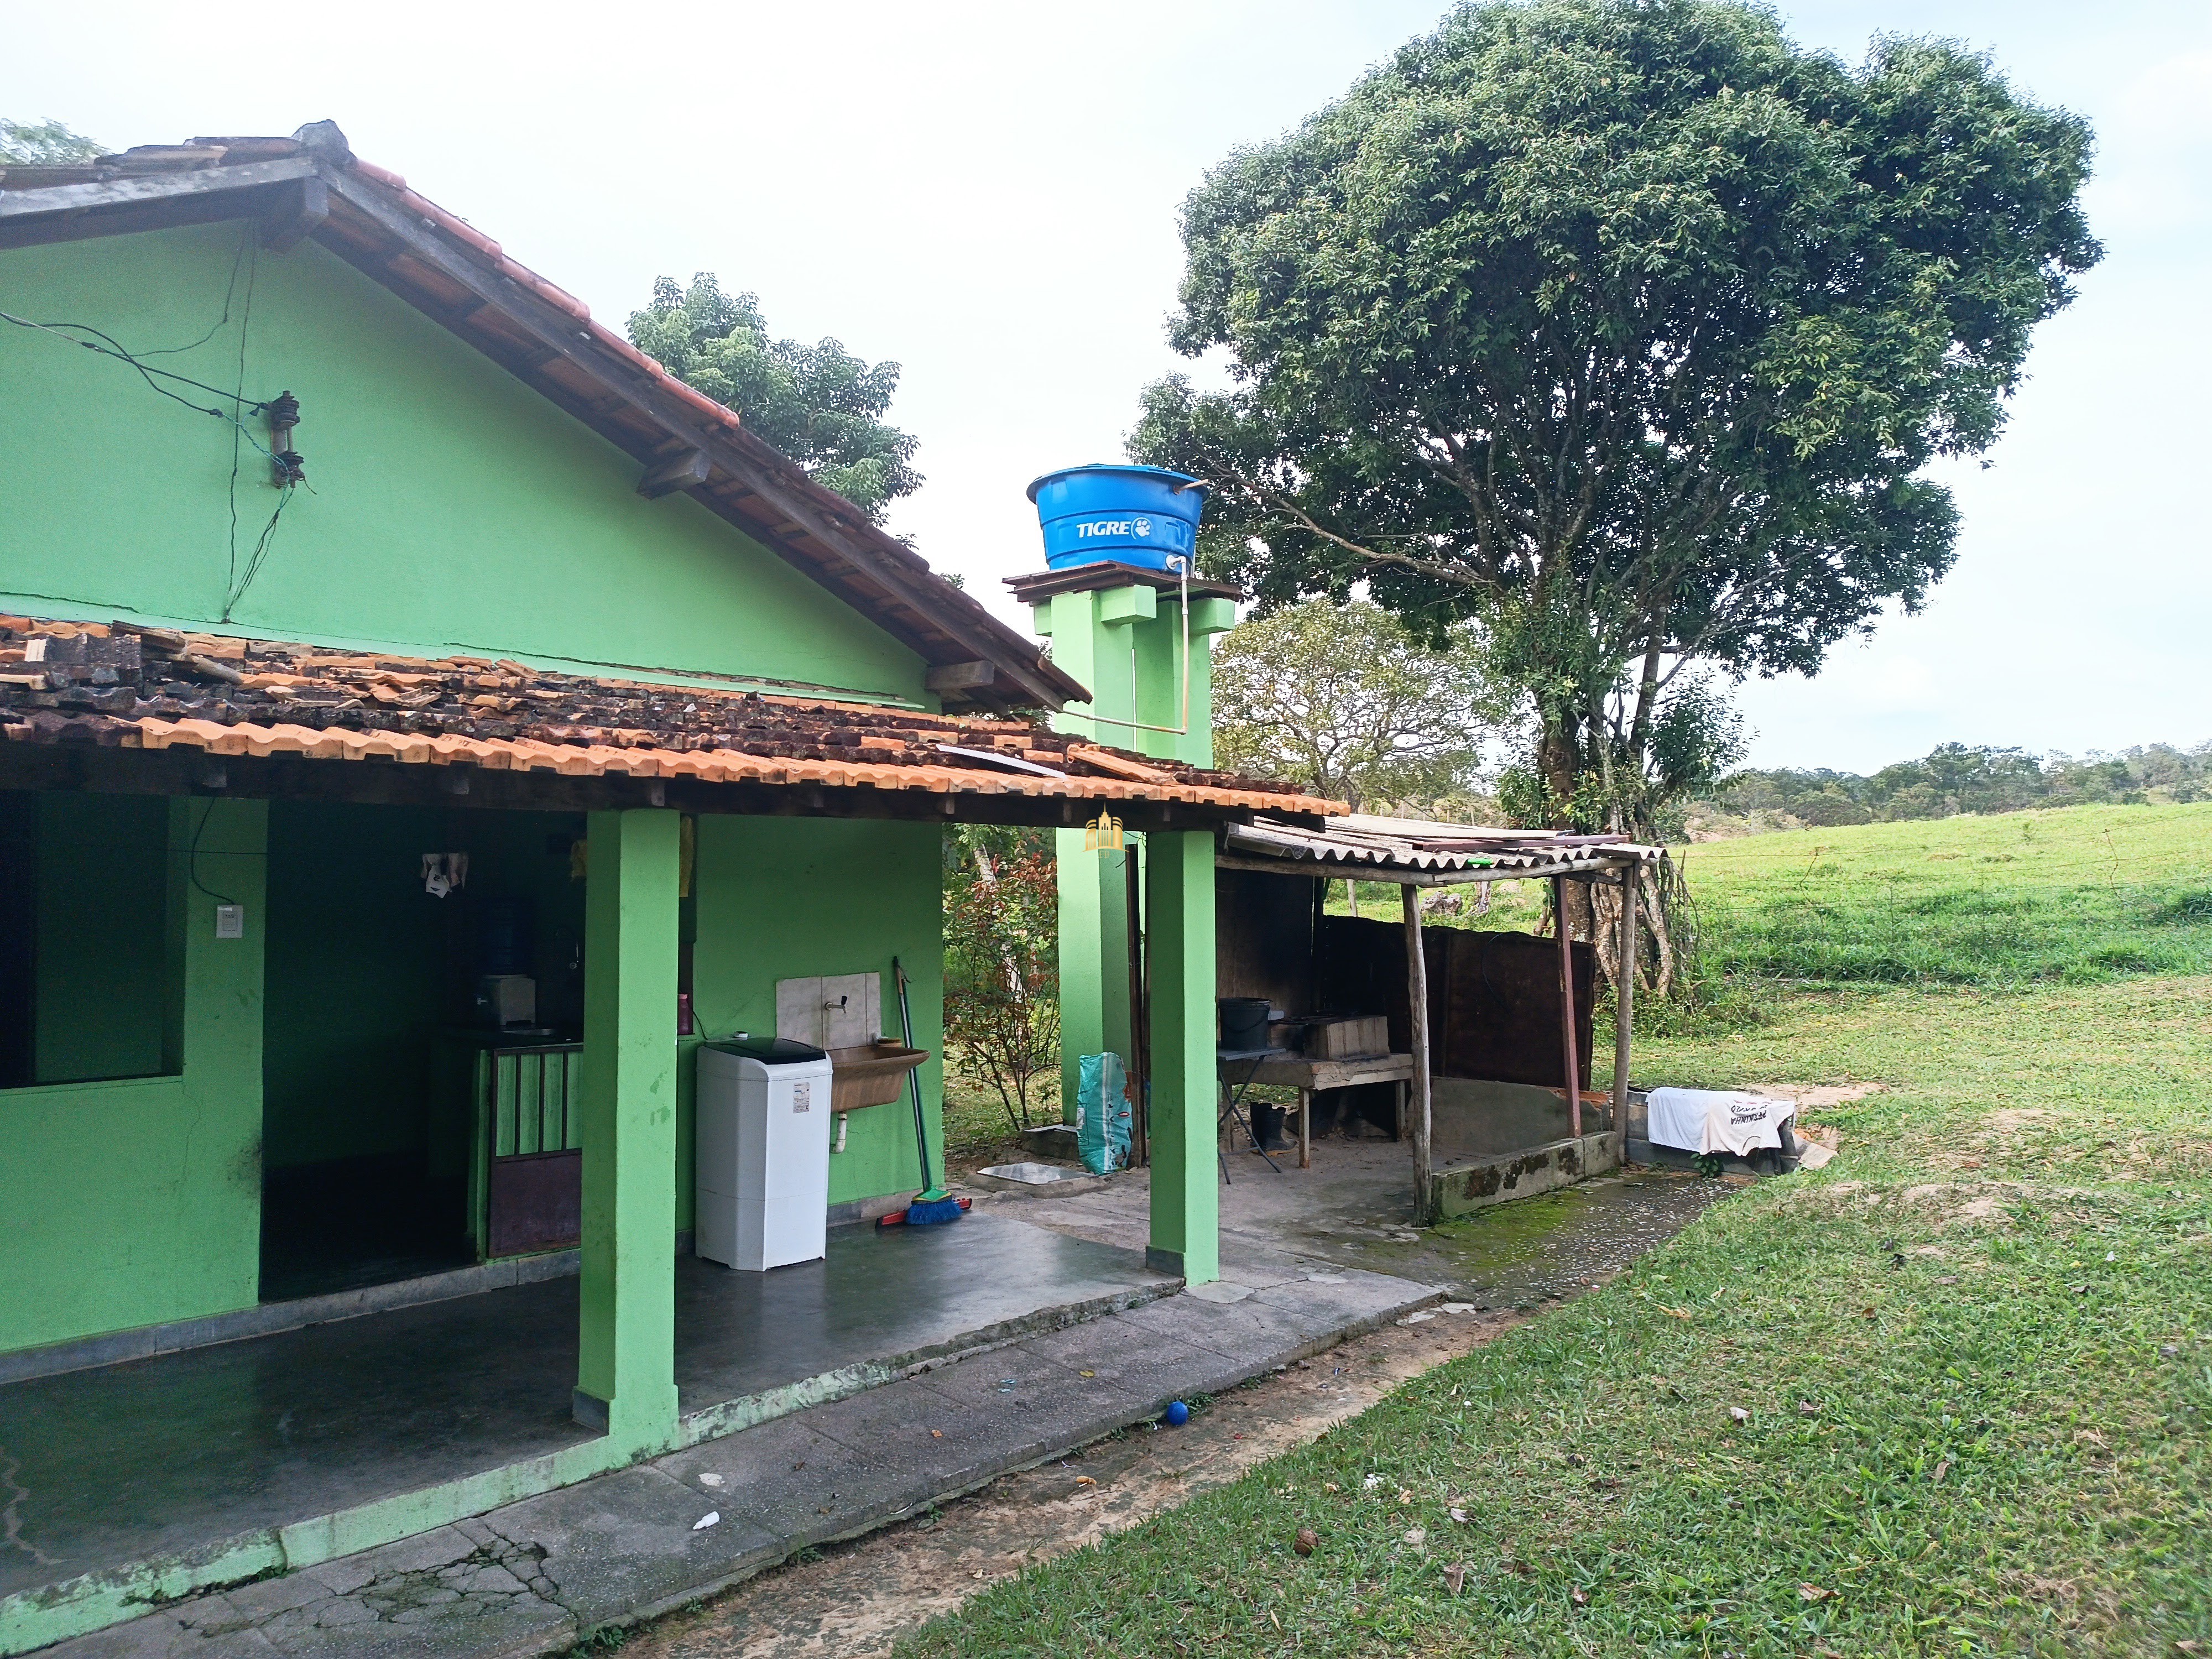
[(932, 1204)]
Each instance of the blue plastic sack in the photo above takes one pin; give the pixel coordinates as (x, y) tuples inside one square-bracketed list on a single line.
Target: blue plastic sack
[(1101, 1114)]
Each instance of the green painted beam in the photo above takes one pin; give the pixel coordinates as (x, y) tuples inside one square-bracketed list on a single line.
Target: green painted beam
[(626, 1366)]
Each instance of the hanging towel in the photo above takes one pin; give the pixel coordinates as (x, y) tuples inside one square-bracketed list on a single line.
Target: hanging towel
[(1717, 1119)]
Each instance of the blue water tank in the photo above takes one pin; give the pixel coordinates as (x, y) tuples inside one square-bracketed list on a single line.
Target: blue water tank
[(1141, 515)]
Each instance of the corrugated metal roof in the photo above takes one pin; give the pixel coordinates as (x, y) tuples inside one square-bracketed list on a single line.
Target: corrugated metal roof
[(1385, 849)]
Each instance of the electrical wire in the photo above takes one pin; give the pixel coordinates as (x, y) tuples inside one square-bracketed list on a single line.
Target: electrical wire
[(115, 349), (248, 241), (260, 551), (192, 859), (245, 328), (288, 469)]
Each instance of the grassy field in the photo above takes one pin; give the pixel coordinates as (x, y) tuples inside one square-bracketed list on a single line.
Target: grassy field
[(1974, 1354), (2073, 897)]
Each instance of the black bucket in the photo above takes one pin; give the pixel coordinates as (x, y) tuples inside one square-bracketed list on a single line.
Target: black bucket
[(1243, 1023)]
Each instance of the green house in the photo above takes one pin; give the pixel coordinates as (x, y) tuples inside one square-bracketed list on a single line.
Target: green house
[(427, 722)]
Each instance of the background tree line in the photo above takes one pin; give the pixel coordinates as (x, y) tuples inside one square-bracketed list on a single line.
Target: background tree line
[(1952, 779)]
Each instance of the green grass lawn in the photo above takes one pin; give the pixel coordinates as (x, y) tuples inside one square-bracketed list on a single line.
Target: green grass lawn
[(2076, 896), (1975, 1352)]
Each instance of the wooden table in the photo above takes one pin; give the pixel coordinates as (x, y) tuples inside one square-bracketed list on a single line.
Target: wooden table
[(1309, 1076)]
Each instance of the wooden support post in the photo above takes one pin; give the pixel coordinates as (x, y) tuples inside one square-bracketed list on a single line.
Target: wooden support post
[(303, 205), (959, 675), (1567, 1007), (1417, 990), (1624, 1009)]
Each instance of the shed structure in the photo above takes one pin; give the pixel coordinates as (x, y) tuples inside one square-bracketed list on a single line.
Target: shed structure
[(1490, 1032)]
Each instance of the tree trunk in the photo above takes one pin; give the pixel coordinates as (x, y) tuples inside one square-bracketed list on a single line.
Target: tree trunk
[(1580, 919), (1559, 762), (1653, 956)]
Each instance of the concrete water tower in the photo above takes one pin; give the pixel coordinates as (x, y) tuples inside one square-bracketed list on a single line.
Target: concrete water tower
[(1130, 616), (1126, 609)]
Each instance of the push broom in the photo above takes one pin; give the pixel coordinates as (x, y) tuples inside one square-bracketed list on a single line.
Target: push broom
[(932, 1204)]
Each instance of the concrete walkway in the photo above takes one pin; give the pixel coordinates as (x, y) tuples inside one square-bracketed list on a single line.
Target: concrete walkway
[(150, 1478), (1352, 1209), (539, 1575)]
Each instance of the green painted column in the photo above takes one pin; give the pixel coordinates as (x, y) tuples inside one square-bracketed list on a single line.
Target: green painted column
[(1128, 645), (1186, 1233), (1090, 640), (1094, 971), (626, 1369)]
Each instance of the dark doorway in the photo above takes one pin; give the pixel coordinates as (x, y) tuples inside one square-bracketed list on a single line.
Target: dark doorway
[(372, 1167), (352, 1223)]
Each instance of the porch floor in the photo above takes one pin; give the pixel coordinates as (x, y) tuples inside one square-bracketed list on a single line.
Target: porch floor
[(133, 1461)]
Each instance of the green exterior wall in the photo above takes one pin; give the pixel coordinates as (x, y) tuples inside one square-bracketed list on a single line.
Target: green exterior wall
[(178, 1157), (453, 508), (790, 899)]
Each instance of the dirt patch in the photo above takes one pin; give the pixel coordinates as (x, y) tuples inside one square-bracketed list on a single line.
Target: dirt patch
[(1817, 1096), (857, 1599), (2011, 1119), (1963, 1205)]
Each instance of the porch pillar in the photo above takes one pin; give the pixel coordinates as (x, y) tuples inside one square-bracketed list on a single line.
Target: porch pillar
[(626, 1368), (1186, 1199), (1090, 634), (1094, 970)]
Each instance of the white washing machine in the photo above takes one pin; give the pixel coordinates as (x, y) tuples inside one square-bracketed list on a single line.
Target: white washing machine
[(763, 1172)]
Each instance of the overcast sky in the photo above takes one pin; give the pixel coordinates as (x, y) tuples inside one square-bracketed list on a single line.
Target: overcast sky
[(987, 194)]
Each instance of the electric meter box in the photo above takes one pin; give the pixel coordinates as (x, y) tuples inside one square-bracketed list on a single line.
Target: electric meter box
[(762, 1181)]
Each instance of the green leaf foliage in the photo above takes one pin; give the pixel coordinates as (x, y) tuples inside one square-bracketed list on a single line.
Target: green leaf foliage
[(1002, 963), (819, 404), (1628, 328), (1957, 777), (44, 144), (1341, 700)]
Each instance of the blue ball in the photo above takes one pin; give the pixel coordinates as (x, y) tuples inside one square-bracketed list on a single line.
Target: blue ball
[(1177, 1413)]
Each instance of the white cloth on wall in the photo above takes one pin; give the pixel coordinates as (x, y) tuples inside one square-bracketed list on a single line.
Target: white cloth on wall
[(1717, 1119)]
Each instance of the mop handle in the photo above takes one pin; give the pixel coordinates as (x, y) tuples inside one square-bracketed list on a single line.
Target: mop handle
[(913, 1076)]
